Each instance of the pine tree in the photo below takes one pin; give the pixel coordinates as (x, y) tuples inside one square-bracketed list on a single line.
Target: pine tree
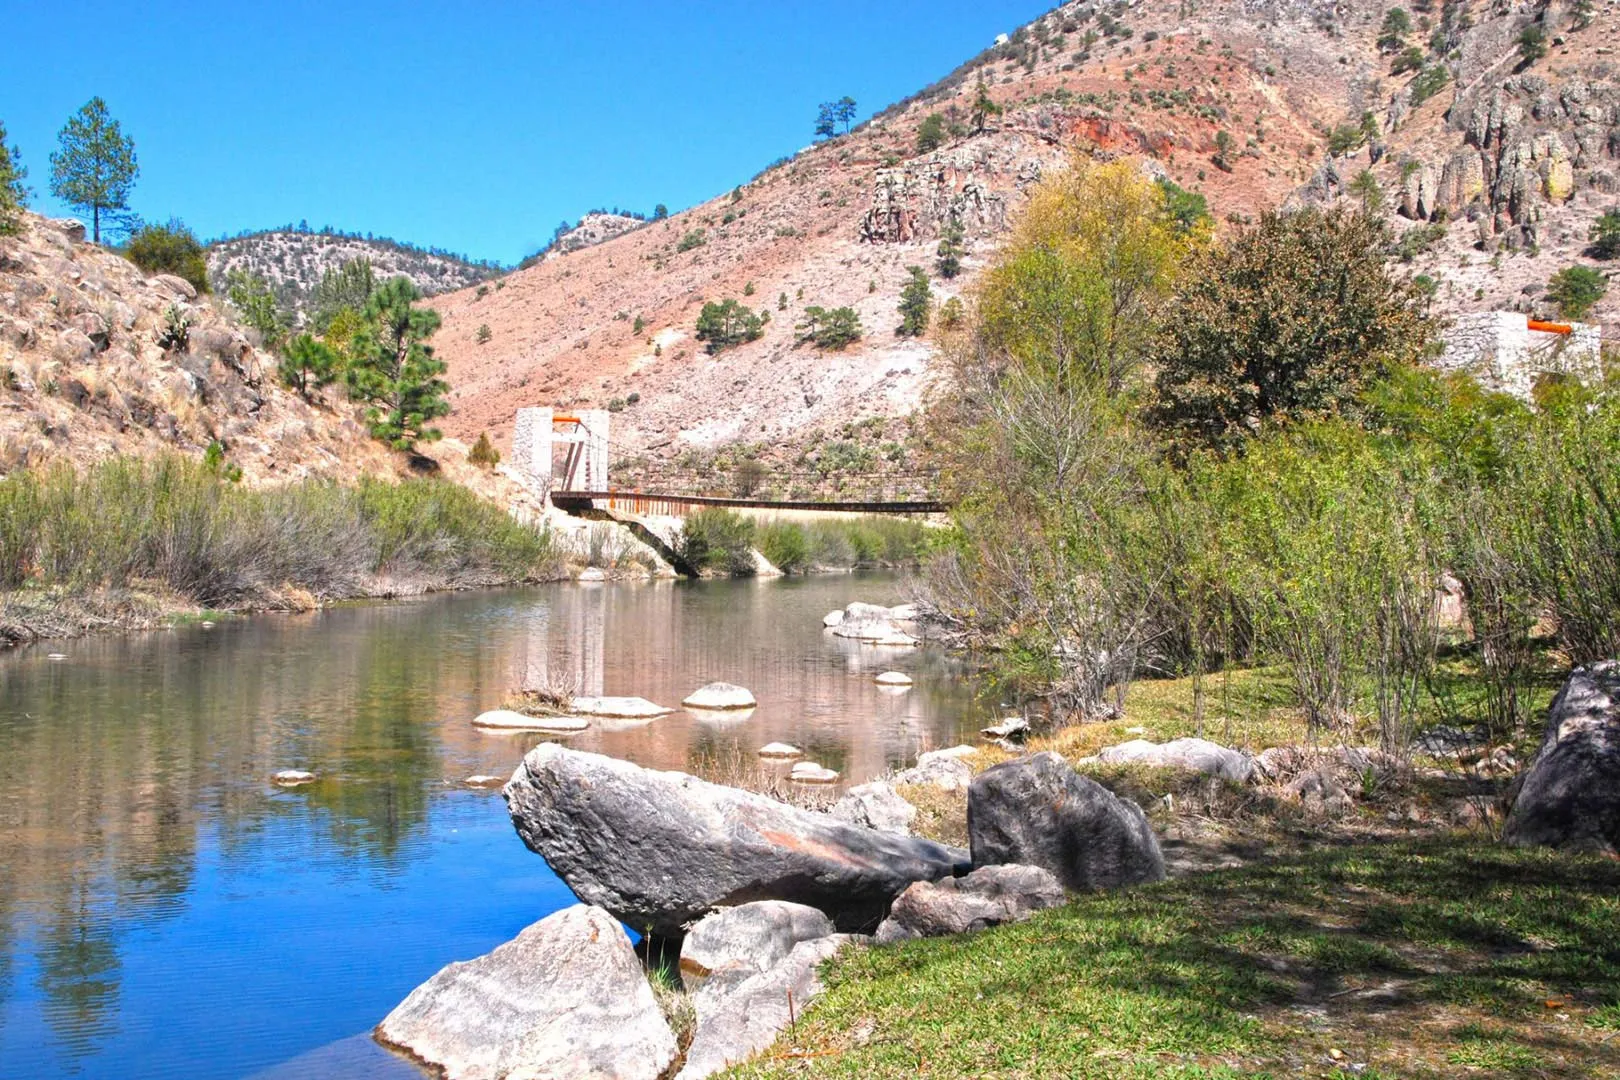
[(95, 166), (347, 286), (13, 193), (984, 106), (915, 301), (393, 369), (950, 250), (307, 365)]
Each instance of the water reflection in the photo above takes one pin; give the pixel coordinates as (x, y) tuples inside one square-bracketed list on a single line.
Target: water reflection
[(163, 909)]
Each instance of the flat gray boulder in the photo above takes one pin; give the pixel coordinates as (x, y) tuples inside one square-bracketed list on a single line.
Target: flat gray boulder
[(733, 1027), (876, 806), (989, 896), (943, 769), (662, 849), (565, 998), (1039, 811), (1570, 794), (1197, 755), (747, 940)]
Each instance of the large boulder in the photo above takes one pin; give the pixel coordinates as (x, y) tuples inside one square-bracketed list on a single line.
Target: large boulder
[(1039, 811), (735, 1026), (874, 622), (1197, 755), (943, 769), (567, 997), (741, 942), (1570, 794), (662, 849), (989, 896), (876, 806)]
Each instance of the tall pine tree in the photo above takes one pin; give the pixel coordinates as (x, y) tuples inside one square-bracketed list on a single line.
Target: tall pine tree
[(393, 369), (95, 166), (13, 195)]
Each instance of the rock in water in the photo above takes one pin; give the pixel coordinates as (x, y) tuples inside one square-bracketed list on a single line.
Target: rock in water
[(1197, 755), (989, 896), (745, 1020), (720, 695), (567, 997), (660, 849), (893, 678), (621, 708), (812, 772), (780, 750), (832, 618), (747, 940), (1570, 795), (876, 806), (1039, 811), (512, 720), (292, 778)]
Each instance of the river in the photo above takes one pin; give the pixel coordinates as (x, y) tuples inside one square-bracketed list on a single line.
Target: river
[(165, 911)]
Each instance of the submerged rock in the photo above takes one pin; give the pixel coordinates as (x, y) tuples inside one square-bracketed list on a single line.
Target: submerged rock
[(734, 1026), (566, 997), (660, 849), (739, 942), (720, 696), (832, 618), (989, 896), (876, 806), (1198, 755), (893, 678), (619, 708), (1570, 794), (591, 574), (1039, 811), (292, 778)]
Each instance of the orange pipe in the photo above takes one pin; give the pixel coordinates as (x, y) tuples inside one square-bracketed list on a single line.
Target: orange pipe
[(1551, 327), (565, 419)]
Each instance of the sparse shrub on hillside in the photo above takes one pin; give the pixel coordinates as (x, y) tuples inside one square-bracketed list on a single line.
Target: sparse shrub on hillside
[(1188, 209), (1392, 34), (746, 477), (94, 165), (951, 313), (1410, 59), (1224, 145), (176, 332), (307, 364), (170, 249), (1605, 236), (13, 193), (696, 238), (483, 452), (984, 106), (638, 326), (393, 369), (727, 323), (931, 133), (916, 302), (484, 334), (1575, 289), (718, 539), (256, 302), (830, 329), (1428, 83), (1532, 42), (1258, 333)]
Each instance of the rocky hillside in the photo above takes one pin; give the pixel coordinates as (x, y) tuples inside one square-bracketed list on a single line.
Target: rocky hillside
[(97, 359), (1491, 166), (293, 260)]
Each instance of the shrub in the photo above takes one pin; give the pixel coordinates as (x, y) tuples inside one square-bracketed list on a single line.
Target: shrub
[(948, 255), (484, 334), (258, 306), (951, 313), (785, 545), (718, 539), (931, 133), (830, 329), (483, 452), (746, 478), (308, 364), (170, 249), (1575, 289), (696, 238), (1429, 82), (1605, 235), (726, 324), (1532, 42)]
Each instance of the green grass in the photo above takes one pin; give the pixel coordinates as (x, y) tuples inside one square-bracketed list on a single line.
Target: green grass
[(1409, 959), (870, 540)]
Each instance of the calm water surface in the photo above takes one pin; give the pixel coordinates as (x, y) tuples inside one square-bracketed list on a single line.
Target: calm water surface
[(166, 912)]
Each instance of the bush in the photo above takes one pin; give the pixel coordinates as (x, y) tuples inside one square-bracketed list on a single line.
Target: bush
[(830, 329), (170, 249), (483, 452), (307, 365), (931, 133), (726, 324), (717, 539), (696, 238), (1575, 289), (1605, 235), (1429, 82), (785, 545)]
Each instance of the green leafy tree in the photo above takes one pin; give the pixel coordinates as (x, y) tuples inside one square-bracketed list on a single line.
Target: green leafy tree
[(660, 212), (1605, 235), (170, 249), (830, 329), (1575, 289), (307, 364), (916, 301), (948, 255), (727, 323), (1224, 145), (1292, 319), (394, 370), (931, 133), (1410, 59), (94, 166), (1392, 34), (344, 287), (256, 301), (984, 106), (13, 193)]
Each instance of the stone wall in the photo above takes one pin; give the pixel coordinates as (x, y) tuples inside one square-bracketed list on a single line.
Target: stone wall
[(1500, 350)]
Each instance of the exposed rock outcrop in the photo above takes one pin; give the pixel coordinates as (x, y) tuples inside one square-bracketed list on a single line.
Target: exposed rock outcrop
[(737, 943), (660, 849), (876, 806), (1570, 794)]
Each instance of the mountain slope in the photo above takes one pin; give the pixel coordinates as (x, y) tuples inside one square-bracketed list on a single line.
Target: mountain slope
[(1239, 100)]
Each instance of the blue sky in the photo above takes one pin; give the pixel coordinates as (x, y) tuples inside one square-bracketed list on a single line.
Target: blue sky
[(475, 127)]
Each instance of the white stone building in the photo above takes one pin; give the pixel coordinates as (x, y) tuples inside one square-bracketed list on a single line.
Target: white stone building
[(1508, 351)]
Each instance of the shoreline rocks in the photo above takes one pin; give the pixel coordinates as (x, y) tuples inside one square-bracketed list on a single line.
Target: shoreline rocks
[(737, 943), (566, 997), (811, 772), (661, 849)]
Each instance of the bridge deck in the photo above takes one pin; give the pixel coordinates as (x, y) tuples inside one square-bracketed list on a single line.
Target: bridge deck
[(646, 502)]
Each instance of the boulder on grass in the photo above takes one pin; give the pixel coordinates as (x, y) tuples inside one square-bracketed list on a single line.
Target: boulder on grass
[(1570, 794), (1197, 755), (989, 896), (567, 997), (1039, 811), (943, 769), (662, 849), (876, 806), (746, 940), (746, 1019)]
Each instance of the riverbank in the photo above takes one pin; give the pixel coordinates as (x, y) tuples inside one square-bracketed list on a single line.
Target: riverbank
[(131, 544)]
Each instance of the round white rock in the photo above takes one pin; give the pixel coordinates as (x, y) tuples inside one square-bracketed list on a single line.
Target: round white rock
[(721, 695), (292, 778), (894, 678), (509, 720), (780, 750), (808, 772)]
